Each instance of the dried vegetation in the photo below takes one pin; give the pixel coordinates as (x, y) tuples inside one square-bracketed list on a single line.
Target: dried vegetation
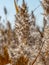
[(25, 44)]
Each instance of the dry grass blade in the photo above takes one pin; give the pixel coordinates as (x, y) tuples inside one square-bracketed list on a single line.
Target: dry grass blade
[(16, 7), (36, 57), (22, 61), (4, 59), (5, 10)]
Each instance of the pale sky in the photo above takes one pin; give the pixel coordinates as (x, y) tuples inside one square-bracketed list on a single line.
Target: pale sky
[(32, 4)]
